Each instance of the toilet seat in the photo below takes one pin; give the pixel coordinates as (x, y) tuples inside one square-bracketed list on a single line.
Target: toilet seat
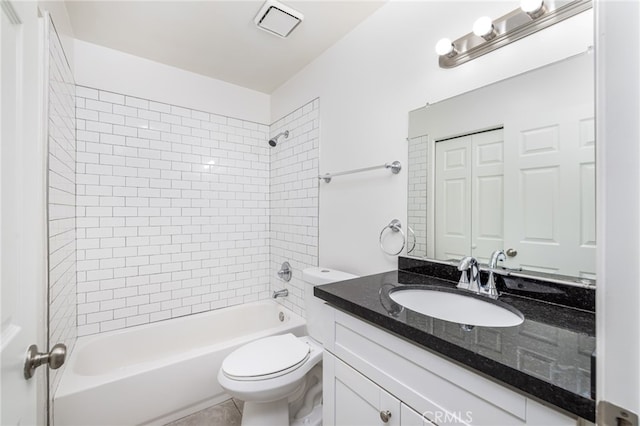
[(266, 358)]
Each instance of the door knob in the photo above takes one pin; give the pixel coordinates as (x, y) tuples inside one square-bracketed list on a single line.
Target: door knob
[(512, 252), (385, 416), (55, 358)]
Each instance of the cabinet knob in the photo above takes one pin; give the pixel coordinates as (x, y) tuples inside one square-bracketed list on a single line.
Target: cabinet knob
[(512, 252), (385, 416)]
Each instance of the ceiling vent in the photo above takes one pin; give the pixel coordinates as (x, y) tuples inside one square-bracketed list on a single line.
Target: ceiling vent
[(277, 18)]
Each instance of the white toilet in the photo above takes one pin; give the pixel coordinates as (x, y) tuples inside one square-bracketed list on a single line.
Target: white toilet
[(278, 373)]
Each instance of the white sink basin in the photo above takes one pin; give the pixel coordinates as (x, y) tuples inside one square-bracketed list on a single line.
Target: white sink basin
[(457, 307)]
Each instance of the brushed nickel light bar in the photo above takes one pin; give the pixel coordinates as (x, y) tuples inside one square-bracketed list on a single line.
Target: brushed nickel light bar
[(488, 34)]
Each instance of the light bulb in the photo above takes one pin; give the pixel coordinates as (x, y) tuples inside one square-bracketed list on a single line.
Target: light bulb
[(533, 8), (483, 27), (444, 47), (530, 5)]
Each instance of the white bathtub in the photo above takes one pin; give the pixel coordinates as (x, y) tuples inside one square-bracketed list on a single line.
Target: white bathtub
[(156, 373)]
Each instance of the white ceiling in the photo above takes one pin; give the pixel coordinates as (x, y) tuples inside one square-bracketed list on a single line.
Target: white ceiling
[(218, 38)]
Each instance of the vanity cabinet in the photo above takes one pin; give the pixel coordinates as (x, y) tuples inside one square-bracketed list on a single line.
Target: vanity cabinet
[(368, 370)]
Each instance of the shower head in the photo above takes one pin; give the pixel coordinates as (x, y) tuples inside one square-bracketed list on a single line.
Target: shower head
[(274, 140)]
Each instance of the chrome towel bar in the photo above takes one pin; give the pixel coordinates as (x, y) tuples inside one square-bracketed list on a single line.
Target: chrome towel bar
[(395, 169)]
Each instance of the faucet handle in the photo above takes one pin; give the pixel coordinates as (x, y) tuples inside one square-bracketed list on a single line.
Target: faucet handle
[(466, 266), (466, 263), (463, 283), (490, 288)]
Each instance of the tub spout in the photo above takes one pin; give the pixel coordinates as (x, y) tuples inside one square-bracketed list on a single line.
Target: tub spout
[(281, 293)]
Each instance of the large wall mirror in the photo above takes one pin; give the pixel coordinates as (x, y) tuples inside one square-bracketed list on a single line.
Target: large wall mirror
[(509, 166)]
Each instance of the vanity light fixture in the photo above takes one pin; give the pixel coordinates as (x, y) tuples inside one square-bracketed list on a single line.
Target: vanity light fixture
[(488, 34)]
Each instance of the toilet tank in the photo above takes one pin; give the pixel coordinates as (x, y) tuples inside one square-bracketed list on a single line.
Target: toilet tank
[(313, 277)]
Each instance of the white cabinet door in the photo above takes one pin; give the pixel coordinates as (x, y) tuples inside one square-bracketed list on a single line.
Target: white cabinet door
[(354, 400), (22, 211), (350, 399)]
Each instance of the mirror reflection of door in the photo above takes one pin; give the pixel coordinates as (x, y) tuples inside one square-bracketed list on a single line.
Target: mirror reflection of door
[(542, 210), (534, 195), (469, 191), (550, 188)]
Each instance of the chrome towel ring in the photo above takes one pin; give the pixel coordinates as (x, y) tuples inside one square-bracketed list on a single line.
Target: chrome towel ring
[(395, 226), (415, 241)]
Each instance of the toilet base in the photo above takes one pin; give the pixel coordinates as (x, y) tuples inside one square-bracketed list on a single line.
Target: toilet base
[(314, 418), (277, 413), (265, 413)]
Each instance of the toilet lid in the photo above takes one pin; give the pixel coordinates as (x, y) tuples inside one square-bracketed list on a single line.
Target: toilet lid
[(266, 357)]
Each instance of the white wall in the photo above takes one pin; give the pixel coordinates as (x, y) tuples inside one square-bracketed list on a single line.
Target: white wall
[(114, 71), (368, 82)]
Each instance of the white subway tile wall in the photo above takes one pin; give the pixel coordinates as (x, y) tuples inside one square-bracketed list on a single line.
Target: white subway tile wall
[(62, 194), (294, 200), (417, 196), (172, 211)]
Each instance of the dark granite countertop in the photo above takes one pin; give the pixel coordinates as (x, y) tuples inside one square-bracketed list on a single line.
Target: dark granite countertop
[(548, 356)]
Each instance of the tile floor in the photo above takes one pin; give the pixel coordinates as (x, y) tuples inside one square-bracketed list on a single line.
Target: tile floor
[(228, 413)]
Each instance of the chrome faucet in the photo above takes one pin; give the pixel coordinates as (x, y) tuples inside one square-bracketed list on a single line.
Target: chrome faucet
[(281, 293), (490, 289), (470, 278)]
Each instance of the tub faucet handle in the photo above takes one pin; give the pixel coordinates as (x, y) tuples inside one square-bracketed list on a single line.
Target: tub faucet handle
[(285, 272)]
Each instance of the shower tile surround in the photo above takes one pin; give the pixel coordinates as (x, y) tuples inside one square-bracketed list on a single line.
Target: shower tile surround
[(173, 209), (61, 199), (294, 201)]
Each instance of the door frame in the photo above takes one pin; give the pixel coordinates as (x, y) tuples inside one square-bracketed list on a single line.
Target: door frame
[(617, 41), (32, 227)]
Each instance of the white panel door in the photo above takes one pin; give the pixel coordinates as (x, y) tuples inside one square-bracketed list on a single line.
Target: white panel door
[(550, 191), (453, 198), (487, 194), (22, 211)]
